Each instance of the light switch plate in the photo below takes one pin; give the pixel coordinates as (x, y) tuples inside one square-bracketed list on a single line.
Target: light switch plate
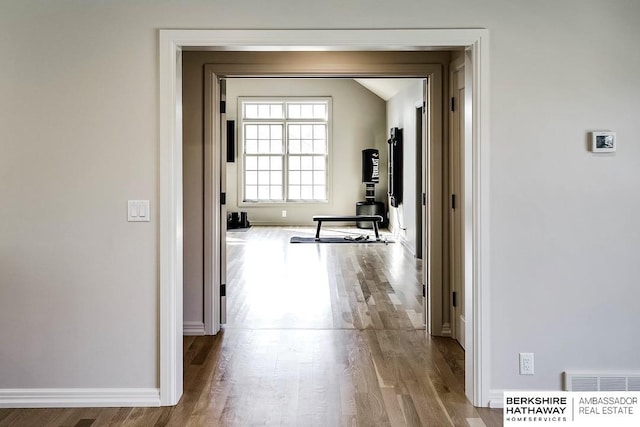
[(138, 211)]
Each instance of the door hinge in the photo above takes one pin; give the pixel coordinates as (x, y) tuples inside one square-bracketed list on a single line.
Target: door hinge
[(223, 107), (223, 290), (424, 291), (453, 103), (453, 201), (424, 199), (223, 198), (455, 299)]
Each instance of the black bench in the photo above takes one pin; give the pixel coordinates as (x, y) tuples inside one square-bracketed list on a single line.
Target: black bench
[(375, 219)]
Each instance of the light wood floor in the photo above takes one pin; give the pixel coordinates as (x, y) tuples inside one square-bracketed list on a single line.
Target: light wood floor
[(276, 284), (317, 335)]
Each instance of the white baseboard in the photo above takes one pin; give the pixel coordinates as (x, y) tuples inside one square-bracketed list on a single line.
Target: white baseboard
[(79, 397), (192, 327), (404, 242), (496, 398), (446, 330)]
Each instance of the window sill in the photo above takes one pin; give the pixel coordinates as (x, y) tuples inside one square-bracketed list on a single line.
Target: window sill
[(245, 204)]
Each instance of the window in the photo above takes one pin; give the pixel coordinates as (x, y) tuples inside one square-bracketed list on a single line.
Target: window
[(285, 149)]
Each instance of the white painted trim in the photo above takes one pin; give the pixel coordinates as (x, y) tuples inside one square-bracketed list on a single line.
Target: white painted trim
[(193, 327), (477, 173), (213, 165), (478, 339), (171, 242), (496, 399), (446, 330), (323, 39), (79, 397), (404, 242)]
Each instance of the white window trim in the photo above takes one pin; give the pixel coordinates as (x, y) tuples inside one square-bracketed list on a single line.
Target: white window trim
[(240, 159)]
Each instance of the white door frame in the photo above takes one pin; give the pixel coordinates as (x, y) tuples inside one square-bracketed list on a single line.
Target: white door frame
[(215, 166), (454, 186), (476, 174)]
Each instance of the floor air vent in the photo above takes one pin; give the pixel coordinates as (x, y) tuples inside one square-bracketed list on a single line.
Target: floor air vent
[(601, 381)]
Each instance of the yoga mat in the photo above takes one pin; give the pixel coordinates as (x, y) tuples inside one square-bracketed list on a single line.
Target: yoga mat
[(300, 239)]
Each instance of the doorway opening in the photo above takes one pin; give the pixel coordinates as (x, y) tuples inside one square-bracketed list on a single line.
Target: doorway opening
[(426, 84), (172, 43), (270, 290)]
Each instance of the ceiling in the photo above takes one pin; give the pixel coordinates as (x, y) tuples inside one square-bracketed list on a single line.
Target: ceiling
[(385, 88)]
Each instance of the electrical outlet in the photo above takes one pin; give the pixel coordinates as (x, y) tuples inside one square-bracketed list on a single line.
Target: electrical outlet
[(284, 214), (526, 363)]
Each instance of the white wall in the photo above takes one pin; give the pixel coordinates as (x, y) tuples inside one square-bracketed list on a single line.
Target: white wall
[(358, 122), (79, 136), (401, 113)]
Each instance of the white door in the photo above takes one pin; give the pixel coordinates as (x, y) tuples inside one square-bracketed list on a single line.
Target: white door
[(423, 175), (419, 189), (222, 144), (215, 209), (456, 264)]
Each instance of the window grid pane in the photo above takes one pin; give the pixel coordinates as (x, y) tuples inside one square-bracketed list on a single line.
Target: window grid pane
[(270, 154), (307, 110), (307, 178), (307, 157), (263, 178), (307, 138), (263, 110)]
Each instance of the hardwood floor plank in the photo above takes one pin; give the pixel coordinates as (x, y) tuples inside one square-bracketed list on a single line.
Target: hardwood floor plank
[(33, 417), (392, 407), (490, 417), (409, 412), (476, 422)]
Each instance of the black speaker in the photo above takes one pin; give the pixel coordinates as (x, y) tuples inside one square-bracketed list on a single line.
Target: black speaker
[(395, 167), (231, 141), (370, 166), (244, 220), (233, 221)]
